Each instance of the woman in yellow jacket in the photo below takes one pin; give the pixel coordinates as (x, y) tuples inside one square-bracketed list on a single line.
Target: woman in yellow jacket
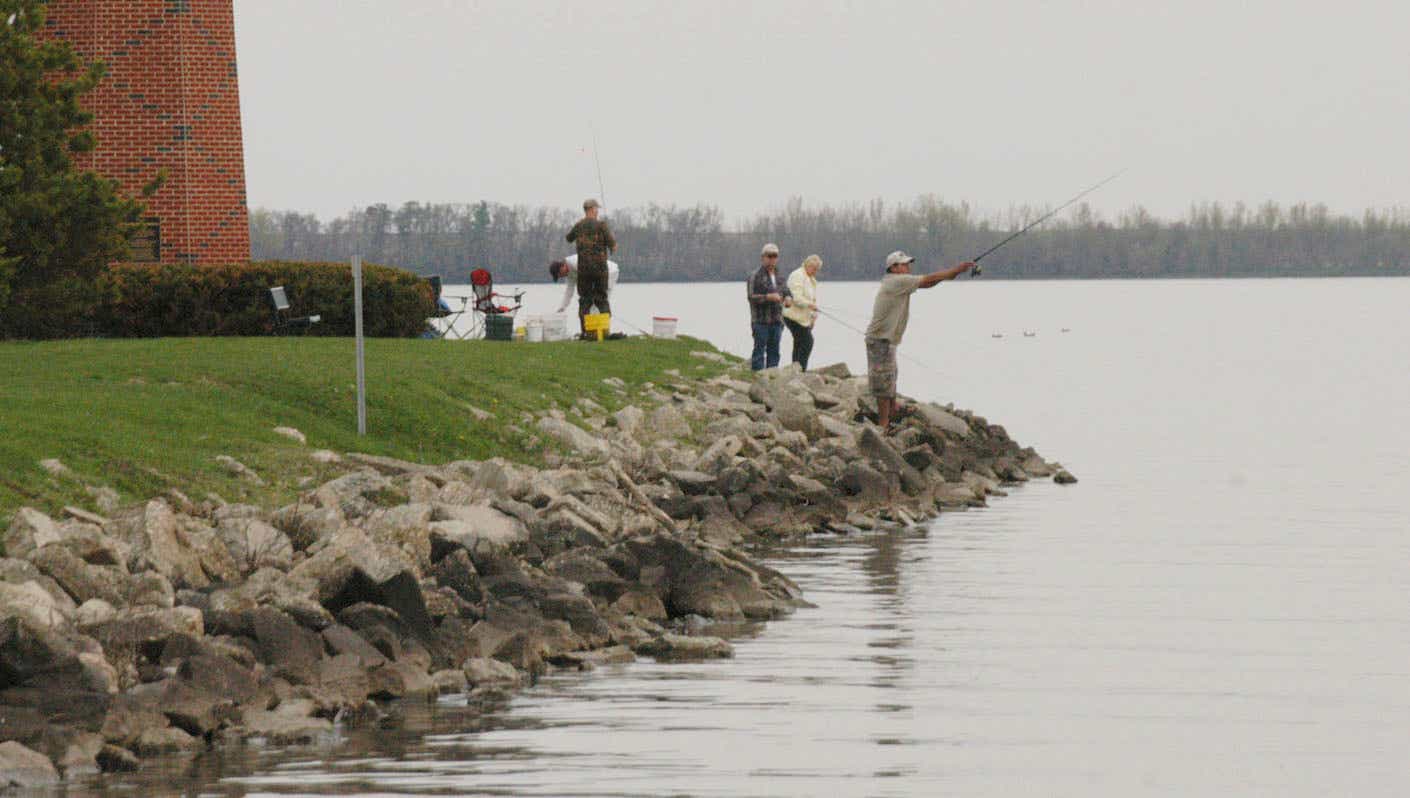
[(803, 313)]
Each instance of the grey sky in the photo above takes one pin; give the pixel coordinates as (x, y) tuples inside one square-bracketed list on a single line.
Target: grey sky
[(744, 104)]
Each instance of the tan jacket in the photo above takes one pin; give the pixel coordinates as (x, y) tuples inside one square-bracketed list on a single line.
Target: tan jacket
[(804, 309)]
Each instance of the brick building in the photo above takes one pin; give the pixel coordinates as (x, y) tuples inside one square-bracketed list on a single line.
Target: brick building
[(171, 100)]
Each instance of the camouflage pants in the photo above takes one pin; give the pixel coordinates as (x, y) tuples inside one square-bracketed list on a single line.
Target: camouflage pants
[(881, 368), (592, 288)]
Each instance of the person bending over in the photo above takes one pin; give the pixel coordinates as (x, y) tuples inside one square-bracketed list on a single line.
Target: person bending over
[(568, 268)]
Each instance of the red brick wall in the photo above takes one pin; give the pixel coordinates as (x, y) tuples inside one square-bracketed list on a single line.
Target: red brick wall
[(171, 101)]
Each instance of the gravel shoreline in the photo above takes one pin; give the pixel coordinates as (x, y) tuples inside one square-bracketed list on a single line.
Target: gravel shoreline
[(177, 625)]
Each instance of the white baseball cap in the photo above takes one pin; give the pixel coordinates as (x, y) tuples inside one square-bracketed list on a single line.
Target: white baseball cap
[(898, 257), (769, 249)]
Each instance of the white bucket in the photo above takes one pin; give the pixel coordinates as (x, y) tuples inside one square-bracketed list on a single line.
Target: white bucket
[(663, 326), (555, 327), (533, 329)]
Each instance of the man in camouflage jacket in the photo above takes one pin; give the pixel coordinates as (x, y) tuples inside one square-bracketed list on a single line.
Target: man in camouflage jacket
[(594, 242)]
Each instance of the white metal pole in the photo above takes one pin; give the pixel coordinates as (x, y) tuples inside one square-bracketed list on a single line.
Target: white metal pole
[(357, 327)]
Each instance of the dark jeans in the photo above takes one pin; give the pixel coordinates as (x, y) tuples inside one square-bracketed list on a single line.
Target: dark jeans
[(766, 339), (802, 342)]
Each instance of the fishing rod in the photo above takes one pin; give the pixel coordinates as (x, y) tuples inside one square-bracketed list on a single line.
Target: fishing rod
[(1050, 214), (601, 192)]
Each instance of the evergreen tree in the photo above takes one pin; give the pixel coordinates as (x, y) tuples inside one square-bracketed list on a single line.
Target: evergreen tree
[(59, 227)]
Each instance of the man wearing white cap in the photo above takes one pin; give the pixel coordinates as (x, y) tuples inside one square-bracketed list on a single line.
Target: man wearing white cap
[(889, 316), (768, 295)]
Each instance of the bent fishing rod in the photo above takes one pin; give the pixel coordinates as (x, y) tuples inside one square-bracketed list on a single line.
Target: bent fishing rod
[(1050, 214)]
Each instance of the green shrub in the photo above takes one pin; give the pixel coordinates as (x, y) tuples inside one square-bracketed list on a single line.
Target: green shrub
[(169, 299)]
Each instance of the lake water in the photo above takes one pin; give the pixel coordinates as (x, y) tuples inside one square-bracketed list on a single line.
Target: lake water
[(1220, 607)]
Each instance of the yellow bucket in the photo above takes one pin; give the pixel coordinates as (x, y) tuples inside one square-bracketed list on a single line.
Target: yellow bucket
[(600, 323)]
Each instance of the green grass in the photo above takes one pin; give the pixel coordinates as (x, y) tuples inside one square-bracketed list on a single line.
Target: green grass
[(142, 416)]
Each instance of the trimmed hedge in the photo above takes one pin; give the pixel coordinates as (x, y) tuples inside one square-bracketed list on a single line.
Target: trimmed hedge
[(174, 299)]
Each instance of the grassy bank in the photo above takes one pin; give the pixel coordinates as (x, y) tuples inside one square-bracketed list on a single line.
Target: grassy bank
[(141, 416)]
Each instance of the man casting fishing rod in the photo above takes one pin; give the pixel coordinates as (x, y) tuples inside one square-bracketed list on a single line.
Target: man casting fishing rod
[(892, 309), (889, 316)]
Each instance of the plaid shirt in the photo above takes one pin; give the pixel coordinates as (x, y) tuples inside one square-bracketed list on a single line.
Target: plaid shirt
[(762, 311)]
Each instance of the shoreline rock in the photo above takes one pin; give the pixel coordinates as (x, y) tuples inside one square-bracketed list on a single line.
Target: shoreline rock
[(172, 626)]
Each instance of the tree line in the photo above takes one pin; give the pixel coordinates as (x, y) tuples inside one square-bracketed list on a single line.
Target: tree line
[(669, 243)]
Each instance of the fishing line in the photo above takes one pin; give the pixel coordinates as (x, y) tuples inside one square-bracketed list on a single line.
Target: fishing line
[(937, 372)]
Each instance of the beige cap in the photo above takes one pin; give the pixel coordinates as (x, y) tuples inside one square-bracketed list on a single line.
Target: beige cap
[(590, 203), (769, 249), (898, 257)]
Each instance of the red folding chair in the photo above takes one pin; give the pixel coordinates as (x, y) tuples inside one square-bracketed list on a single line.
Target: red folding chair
[(488, 302)]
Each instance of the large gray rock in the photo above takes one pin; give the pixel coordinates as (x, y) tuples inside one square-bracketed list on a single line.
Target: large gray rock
[(351, 568), (254, 544), (498, 477), (720, 455), (52, 660), (629, 419), (698, 581), (343, 641), (291, 723), (838, 371), (865, 483), (483, 671), (475, 528), (131, 632), (289, 649), (81, 580), (671, 646), (25, 769), (405, 526), (157, 543), (89, 543), (573, 437), (18, 572), (667, 422), (306, 524), (32, 603), (29, 530), (457, 572), (358, 493), (874, 446), (940, 418), (692, 483)]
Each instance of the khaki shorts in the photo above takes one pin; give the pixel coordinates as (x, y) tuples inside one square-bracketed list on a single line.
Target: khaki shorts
[(881, 368)]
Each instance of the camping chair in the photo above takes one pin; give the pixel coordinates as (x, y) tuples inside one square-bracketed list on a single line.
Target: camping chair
[(488, 303), (283, 318), (442, 322)]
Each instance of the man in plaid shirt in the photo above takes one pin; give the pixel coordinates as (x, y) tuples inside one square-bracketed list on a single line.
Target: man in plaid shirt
[(768, 295)]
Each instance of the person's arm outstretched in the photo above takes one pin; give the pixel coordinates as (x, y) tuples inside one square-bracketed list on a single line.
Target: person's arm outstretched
[(936, 278)]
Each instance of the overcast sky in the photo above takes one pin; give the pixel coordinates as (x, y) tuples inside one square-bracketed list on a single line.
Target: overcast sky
[(745, 104)]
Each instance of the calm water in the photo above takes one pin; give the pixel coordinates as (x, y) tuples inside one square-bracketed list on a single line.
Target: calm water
[(1220, 607)]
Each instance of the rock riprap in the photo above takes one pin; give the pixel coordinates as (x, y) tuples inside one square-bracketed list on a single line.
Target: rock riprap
[(171, 626)]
